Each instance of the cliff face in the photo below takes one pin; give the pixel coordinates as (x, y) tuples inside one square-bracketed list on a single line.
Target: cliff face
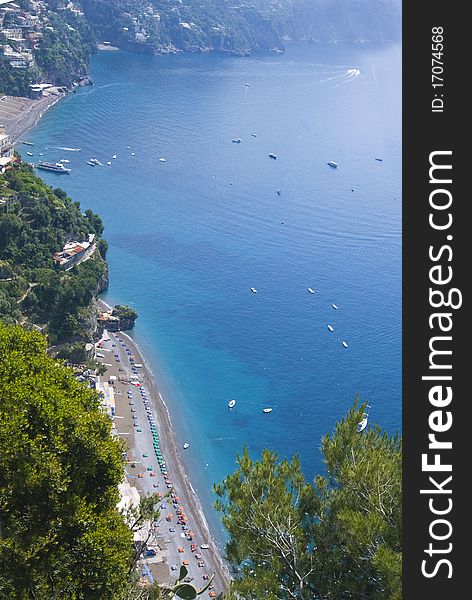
[(159, 26), (104, 280)]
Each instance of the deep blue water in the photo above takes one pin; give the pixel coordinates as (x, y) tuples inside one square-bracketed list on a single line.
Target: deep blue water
[(189, 237)]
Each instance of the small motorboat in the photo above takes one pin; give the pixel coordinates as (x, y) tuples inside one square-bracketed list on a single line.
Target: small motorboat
[(114, 156), (330, 328), (162, 160), (92, 164), (232, 403), (333, 164), (378, 158), (254, 134), (267, 410), (363, 423), (186, 445), (279, 192), (132, 153), (345, 344), (95, 161), (109, 162), (311, 290), (273, 156), (253, 290), (237, 140), (128, 147), (334, 306), (29, 153)]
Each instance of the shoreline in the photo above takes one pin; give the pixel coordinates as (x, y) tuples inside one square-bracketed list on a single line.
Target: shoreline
[(172, 438), (17, 128), (30, 116), (175, 465)]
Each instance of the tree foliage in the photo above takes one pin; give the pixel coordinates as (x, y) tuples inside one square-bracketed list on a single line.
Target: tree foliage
[(35, 222), (335, 539), (61, 535)]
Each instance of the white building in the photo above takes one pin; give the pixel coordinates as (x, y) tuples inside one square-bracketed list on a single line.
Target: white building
[(6, 151), (13, 34), (107, 397)]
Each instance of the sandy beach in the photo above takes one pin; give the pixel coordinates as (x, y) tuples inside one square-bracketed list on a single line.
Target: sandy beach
[(138, 408), (19, 115)]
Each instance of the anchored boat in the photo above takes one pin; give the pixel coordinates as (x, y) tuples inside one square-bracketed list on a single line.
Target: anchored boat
[(55, 167), (363, 423)]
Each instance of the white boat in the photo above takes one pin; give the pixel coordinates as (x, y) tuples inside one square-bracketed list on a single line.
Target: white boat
[(254, 134), (232, 403), (334, 306), (272, 155), (237, 140), (64, 160), (311, 290), (253, 290), (95, 161), (109, 162), (29, 153), (345, 344), (55, 167), (266, 410), (333, 164), (114, 156), (363, 423), (162, 160), (378, 158), (186, 445), (330, 328), (132, 153), (128, 147)]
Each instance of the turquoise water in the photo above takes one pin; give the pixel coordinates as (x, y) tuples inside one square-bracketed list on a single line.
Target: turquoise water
[(190, 236)]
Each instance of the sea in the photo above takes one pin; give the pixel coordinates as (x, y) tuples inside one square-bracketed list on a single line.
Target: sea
[(191, 234)]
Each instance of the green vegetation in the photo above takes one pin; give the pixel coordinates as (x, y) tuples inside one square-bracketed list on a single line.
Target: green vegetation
[(35, 222), (73, 353), (61, 535), (125, 312), (65, 48), (161, 26), (239, 27), (14, 82), (339, 538)]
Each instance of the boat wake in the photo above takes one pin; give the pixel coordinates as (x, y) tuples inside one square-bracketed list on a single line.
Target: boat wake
[(342, 77), (68, 149)]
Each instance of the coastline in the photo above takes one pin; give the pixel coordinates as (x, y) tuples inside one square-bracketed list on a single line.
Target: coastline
[(17, 127), (29, 116), (175, 465)]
